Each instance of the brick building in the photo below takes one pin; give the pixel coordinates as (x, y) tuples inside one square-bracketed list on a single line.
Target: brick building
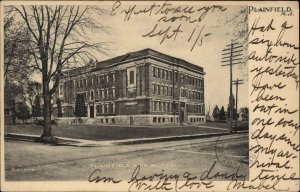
[(143, 87)]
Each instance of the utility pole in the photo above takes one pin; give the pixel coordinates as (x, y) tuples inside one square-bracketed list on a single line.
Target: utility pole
[(237, 82), (231, 56)]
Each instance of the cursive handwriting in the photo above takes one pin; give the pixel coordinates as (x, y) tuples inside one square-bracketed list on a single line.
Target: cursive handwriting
[(274, 68), (172, 22), (96, 177)]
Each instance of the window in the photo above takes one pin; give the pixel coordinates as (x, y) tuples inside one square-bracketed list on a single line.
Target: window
[(181, 78), (163, 90), (61, 88), (92, 95), (167, 91), (92, 81), (131, 77), (201, 83), (107, 78), (113, 108), (154, 119), (170, 75), (114, 77), (97, 94), (162, 73), (102, 94), (105, 108), (97, 109), (85, 83), (154, 106), (113, 93), (154, 88), (81, 83), (154, 71), (158, 89), (158, 72), (106, 93), (167, 75)]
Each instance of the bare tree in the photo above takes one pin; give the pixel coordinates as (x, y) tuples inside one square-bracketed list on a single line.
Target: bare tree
[(59, 36)]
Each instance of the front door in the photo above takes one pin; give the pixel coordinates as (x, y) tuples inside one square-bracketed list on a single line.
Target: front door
[(182, 112), (92, 111)]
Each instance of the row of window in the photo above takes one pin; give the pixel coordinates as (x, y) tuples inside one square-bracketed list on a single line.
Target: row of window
[(198, 119), (195, 108), (168, 106), (184, 78), (163, 89), (96, 80), (100, 94), (164, 106), (163, 73), (187, 79), (170, 120), (105, 108), (164, 119), (191, 94)]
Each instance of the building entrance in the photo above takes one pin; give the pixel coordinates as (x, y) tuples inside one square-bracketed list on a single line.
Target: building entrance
[(92, 111), (182, 113)]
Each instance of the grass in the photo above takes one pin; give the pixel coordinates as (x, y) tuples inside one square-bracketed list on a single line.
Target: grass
[(102, 132)]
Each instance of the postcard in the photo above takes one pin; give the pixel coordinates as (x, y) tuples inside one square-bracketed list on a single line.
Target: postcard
[(149, 96)]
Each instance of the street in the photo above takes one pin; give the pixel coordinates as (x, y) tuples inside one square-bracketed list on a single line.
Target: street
[(28, 161)]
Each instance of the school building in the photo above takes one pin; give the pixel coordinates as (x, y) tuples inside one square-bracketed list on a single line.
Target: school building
[(141, 88)]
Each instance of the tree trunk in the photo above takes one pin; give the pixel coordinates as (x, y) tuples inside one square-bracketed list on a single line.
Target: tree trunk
[(47, 135)]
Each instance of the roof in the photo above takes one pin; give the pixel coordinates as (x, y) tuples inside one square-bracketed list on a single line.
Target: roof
[(145, 53)]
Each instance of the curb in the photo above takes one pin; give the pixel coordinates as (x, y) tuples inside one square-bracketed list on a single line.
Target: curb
[(173, 138), (33, 138), (90, 143)]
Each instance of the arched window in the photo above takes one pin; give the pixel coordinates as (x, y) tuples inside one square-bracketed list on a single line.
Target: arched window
[(92, 94)]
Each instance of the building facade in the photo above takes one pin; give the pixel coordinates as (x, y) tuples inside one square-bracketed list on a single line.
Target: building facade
[(143, 87)]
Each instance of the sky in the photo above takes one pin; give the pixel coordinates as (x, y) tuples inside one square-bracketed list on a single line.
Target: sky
[(216, 30), (223, 26)]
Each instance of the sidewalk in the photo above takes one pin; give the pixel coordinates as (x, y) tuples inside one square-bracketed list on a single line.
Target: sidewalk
[(91, 143)]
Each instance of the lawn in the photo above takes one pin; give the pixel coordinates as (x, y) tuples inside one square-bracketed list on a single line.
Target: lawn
[(102, 132)]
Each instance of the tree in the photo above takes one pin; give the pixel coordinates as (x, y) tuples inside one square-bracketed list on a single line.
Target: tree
[(32, 90), (222, 115), (80, 109), (216, 113), (36, 108), (13, 94), (58, 38), (16, 51), (23, 111), (208, 113), (16, 57), (59, 110), (245, 114)]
